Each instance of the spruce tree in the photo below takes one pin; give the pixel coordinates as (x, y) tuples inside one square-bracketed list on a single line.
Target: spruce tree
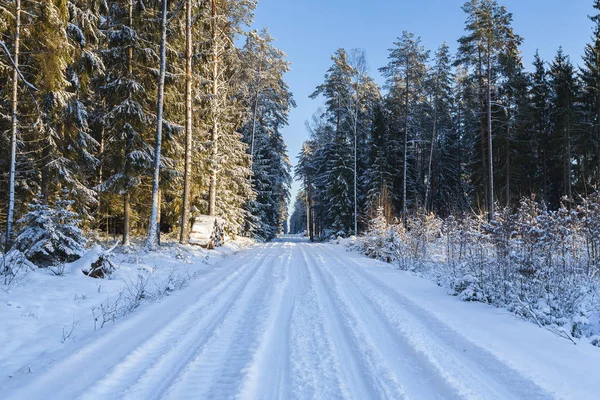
[(489, 33), (127, 155), (405, 78)]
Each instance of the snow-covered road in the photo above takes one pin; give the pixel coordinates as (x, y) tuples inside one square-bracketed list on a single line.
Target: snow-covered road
[(294, 320)]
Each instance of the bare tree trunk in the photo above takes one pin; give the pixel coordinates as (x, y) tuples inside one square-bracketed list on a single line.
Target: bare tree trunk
[(184, 235), (355, 165), (431, 147), (460, 155), (307, 205), (14, 128), (45, 184), (311, 211), (482, 125), (152, 241), (158, 218), (126, 218), (214, 136), (404, 175), (569, 157), (508, 133), (128, 145), (489, 129), (254, 116)]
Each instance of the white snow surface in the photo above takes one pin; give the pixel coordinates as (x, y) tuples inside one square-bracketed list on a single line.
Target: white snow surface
[(288, 320)]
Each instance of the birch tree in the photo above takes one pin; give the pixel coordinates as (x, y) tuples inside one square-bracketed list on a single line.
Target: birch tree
[(153, 231)]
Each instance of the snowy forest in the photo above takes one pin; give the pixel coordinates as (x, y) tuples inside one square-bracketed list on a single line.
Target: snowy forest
[(474, 131), (469, 168), (436, 235), (132, 117)]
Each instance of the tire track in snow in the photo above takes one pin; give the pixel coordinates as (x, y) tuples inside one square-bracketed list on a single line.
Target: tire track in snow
[(354, 382), (398, 370), (166, 349), (268, 376), (142, 334), (315, 370), (218, 369), (473, 371)]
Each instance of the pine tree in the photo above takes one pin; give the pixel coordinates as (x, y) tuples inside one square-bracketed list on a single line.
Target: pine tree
[(382, 166), (441, 162), (540, 127), (334, 160), (298, 217), (268, 101), (590, 76), (405, 77), (563, 117), (127, 154), (489, 33), (512, 102)]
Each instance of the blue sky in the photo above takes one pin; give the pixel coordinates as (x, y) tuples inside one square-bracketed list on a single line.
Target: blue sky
[(310, 31)]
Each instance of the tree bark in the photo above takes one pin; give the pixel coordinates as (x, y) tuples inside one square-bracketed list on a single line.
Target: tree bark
[(128, 144), (14, 128), (404, 174), (568, 154), (489, 129), (254, 116), (187, 178), (214, 136), (152, 241), (508, 133), (355, 163), (431, 147), (126, 218)]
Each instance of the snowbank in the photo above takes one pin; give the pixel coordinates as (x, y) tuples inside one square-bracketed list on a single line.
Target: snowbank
[(43, 314)]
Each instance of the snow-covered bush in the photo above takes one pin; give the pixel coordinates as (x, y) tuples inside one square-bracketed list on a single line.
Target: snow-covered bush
[(50, 235), (542, 265), (12, 265), (423, 228), (383, 241)]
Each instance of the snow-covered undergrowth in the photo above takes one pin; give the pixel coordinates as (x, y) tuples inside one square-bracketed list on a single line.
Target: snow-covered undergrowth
[(541, 265), (45, 309)]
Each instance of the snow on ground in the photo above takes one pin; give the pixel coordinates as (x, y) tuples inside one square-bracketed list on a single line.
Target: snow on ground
[(42, 314), (295, 320)]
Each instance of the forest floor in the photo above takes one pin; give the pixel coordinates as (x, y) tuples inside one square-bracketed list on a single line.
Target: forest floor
[(295, 320)]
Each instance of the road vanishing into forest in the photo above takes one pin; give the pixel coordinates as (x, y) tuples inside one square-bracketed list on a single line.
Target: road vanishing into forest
[(295, 320)]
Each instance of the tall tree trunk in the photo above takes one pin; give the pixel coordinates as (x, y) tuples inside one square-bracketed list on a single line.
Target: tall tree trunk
[(14, 128), (184, 235), (45, 185), (482, 121), (568, 154), (597, 133), (152, 241), (309, 213), (128, 144), (126, 218), (355, 165), (404, 175), (489, 134), (214, 136), (431, 147), (459, 189), (508, 133), (254, 117)]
